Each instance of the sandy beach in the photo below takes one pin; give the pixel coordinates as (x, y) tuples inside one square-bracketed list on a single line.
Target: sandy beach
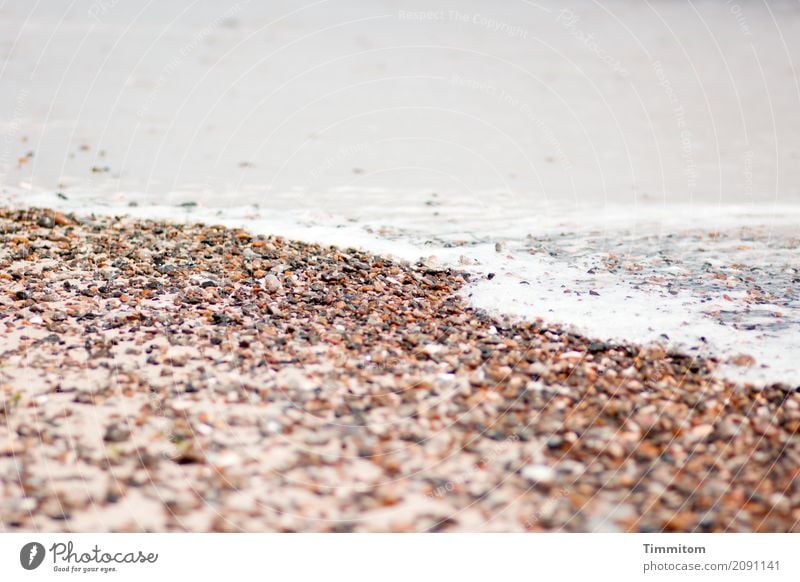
[(157, 376)]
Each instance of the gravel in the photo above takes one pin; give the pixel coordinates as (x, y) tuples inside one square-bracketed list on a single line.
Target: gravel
[(162, 377)]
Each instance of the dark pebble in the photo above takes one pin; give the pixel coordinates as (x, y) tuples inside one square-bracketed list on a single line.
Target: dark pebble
[(595, 347), (117, 433)]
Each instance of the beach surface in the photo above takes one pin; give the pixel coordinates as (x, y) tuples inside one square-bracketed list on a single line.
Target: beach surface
[(636, 161), (159, 376)]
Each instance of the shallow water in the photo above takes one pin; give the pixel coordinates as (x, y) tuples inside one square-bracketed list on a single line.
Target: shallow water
[(637, 162)]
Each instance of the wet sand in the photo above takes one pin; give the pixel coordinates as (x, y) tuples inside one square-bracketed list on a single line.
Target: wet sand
[(165, 377)]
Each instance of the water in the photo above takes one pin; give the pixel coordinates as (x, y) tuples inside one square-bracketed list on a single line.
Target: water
[(637, 162)]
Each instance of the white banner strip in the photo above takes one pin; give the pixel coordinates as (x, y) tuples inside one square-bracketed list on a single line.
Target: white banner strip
[(399, 557)]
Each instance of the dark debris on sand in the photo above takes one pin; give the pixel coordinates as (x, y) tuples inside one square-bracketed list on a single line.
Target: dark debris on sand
[(160, 377)]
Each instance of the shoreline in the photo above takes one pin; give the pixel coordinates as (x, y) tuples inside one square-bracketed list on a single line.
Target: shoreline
[(721, 288), (178, 377)]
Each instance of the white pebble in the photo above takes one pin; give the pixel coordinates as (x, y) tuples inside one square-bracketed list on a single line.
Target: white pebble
[(539, 473)]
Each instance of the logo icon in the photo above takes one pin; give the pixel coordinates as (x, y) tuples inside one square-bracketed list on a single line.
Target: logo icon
[(31, 555)]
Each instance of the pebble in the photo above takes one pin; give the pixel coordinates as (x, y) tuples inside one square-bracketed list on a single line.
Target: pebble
[(272, 283), (117, 433), (543, 474), (46, 221)]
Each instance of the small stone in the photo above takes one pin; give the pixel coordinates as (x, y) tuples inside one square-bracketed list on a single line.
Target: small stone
[(743, 361), (61, 219), (615, 450), (180, 355), (166, 269), (225, 459), (596, 347), (543, 474), (117, 433), (701, 431), (270, 426), (272, 283)]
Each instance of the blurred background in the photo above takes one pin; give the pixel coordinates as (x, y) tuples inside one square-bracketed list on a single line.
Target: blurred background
[(359, 107)]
